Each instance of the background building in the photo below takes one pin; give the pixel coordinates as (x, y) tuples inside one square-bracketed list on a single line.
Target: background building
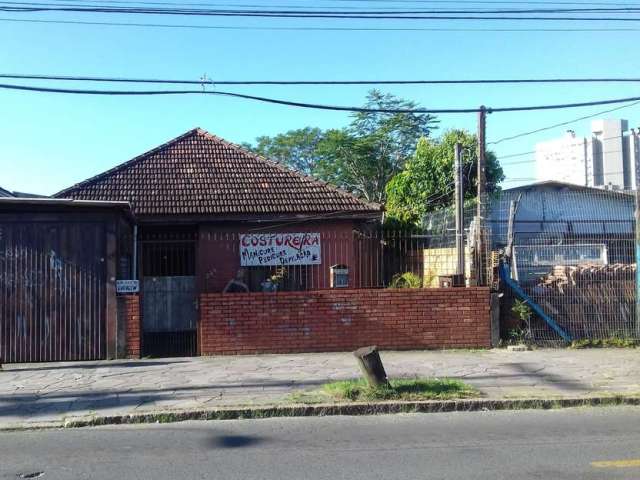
[(608, 158)]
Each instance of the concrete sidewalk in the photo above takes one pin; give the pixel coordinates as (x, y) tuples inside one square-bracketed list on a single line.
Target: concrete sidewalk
[(36, 393)]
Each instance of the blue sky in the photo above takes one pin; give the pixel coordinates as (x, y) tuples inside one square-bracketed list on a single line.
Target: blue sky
[(50, 141)]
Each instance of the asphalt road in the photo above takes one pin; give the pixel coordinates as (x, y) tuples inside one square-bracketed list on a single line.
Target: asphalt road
[(555, 445)]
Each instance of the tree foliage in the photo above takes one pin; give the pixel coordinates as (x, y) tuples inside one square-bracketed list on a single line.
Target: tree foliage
[(295, 148), (361, 157), (426, 182)]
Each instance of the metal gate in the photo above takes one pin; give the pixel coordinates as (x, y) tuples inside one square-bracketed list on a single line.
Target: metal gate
[(169, 316), (169, 305), (52, 291)]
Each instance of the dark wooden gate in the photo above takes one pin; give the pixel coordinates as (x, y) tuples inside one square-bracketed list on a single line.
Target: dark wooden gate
[(52, 291), (169, 297)]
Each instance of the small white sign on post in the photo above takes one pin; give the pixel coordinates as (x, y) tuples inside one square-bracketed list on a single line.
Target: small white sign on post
[(269, 249), (127, 286)]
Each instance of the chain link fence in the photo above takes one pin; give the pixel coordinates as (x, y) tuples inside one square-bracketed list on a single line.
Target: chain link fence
[(571, 251)]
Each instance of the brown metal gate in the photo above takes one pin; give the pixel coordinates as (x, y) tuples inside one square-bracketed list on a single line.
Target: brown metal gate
[(169, 297), (52, 291)]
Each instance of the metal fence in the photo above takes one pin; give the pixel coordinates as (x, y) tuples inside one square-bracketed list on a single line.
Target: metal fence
[(341, 258), (573, 255), (52, 295), (372, 257)]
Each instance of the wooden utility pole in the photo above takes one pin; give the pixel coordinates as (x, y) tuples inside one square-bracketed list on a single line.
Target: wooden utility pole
[(459, 210), (482, 189)]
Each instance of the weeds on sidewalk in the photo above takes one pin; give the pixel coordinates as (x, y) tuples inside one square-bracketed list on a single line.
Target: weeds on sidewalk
[(611, 342)]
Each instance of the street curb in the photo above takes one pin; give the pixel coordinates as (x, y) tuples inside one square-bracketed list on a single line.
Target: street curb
[(320, 410)]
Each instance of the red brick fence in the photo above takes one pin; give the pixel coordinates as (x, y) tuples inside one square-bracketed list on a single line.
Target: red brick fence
[(343, 320), (331, 320)]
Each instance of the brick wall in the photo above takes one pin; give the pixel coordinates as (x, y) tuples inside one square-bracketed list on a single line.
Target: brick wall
[(332, 320), (129, 313)]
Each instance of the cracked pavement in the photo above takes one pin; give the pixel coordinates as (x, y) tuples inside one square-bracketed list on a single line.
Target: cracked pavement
[(51, 392)]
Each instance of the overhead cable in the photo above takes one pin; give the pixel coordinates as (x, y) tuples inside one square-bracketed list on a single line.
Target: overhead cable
[(562, 124), (76, 78), (317, 29), (314, 105), (522, 16)]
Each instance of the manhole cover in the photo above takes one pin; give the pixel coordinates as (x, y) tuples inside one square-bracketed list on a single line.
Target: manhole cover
[(31, 475)]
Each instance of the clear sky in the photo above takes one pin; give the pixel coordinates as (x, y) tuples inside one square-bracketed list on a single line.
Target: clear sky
[(50, 141)]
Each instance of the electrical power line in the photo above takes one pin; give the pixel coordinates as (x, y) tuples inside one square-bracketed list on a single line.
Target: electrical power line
[(350, 12), (569, 122), (316, 106), (576, 144), (317, 29), (76, 78), (524, 162), (433, 15), (343, 6), (522, 2)]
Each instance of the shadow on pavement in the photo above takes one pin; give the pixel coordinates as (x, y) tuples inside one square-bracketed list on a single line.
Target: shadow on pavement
[(235, 441), (94, 366), (530, 371), (73, 401)]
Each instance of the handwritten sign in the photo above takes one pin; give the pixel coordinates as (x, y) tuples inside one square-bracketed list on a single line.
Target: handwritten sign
[(267, 249), (127, 286)]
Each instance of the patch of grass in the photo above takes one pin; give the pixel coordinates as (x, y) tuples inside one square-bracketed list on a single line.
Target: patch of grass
[(401, 389), (611, 342)]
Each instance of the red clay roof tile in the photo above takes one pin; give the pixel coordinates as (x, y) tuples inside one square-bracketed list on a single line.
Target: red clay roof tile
[(200, 174)]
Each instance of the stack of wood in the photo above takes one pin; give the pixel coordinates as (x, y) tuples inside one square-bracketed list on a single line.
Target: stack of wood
[(591, 301)]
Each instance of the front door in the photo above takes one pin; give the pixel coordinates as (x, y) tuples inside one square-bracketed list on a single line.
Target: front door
[(169, 294)]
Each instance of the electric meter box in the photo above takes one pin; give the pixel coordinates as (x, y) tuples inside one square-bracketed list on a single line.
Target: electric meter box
[(339, 276)]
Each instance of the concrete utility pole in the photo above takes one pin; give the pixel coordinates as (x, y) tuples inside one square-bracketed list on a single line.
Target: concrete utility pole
[(482, 188), (459, 183), (637, 250)]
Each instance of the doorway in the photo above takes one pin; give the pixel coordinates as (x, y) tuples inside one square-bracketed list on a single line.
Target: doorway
[(169, 293)]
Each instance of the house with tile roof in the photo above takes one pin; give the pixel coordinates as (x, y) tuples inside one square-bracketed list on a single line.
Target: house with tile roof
[(212, 216), (201, 177)]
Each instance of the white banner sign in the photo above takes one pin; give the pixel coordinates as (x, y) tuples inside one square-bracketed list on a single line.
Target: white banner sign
[(279, 249), (127, 286)]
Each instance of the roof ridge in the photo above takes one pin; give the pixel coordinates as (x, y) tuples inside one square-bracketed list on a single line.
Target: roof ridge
[(543, 183), (128, 163), (286, 169)]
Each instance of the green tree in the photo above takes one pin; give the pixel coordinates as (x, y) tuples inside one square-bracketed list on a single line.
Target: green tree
[(426, 182), (363, 157), (360, 158), (295, 148)]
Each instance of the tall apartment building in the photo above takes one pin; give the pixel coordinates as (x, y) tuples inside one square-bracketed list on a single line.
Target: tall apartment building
[(609, 158)]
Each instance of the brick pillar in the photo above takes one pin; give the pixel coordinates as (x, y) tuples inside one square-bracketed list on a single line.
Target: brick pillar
[(129, 307)]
